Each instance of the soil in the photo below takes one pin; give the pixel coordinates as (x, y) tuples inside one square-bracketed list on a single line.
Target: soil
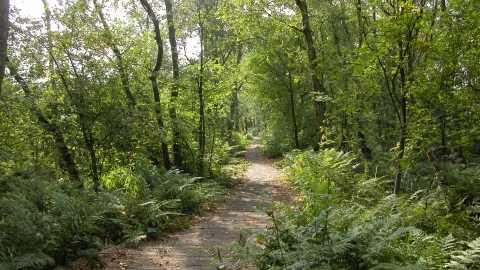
[(195, 248)]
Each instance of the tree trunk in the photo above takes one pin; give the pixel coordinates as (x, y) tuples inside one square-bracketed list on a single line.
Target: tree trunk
[(177, 145), (292, 109), (153, 79), (318, 88), (201, 112), (4, 26), (359, 23), (233, 114), (406, 79), (90, 145)]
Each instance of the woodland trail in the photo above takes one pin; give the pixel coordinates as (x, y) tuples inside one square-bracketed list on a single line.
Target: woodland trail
[(195, 248)]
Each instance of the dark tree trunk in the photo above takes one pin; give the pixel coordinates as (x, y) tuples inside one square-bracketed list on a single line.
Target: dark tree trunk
[(177, 145), (90, 145), (4, 26), (360, 23), (406, 79), (318, 88), (292, 109), (153, 78), (201, 112)]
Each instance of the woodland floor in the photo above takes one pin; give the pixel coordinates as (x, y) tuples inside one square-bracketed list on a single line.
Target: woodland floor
[(195, 248)]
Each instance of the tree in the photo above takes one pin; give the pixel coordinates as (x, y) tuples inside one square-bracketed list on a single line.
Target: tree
[(153, 78), (4, 26), (318, 88), (177, 145)]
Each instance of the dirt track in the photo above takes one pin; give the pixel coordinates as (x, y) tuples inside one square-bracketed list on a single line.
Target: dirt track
[(194, 248)]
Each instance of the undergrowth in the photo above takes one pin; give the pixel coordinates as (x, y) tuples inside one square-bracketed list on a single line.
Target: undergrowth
[(346, 218), (45, 223)]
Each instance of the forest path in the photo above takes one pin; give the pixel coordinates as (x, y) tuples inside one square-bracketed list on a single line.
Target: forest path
[(194, 248)]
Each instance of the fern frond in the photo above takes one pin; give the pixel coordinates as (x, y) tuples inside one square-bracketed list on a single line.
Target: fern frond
[(389, 266), (467, 259), (36, 261), (399, 233)]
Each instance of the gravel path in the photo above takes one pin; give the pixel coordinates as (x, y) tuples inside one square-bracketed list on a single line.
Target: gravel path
[(194, 248)]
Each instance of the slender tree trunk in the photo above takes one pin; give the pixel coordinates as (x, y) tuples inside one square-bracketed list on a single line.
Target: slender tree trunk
[(360, 23), (153, 78), (233, 114), (403, 130), (406, 79), (292, 109), (118, 55), (318, 88), (4, 26), (67, 162), (89, 140), (201, 112), (177, 145)]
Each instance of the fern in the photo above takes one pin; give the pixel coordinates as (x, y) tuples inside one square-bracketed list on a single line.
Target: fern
[(468, 258), (21, 225), (389, 266), (75, 226), (28, 261)]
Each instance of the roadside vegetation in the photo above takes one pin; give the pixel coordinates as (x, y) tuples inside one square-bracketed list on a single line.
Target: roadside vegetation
[(346, 217)]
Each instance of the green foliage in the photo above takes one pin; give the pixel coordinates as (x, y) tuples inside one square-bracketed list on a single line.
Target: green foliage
[(362, 226), (125, 178), (240, 141), (26, 261), (325, 172), (468, 258), (42, 225), (193, 193), (392, 70)]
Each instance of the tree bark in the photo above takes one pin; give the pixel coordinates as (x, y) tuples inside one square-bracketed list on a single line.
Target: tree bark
[(4, 26), (406, 57), (232, 121), (177, 146), (153, 79), (318, 88), (360, 23), (292, 110), (201, 112)]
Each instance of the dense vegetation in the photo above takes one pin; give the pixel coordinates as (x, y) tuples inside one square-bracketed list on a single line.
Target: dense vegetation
[(120, 117)]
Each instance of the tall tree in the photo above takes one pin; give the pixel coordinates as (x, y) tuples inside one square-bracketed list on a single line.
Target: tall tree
[(318, 88), (4, 26), (177, 145), (200, 90), (153, 78)]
